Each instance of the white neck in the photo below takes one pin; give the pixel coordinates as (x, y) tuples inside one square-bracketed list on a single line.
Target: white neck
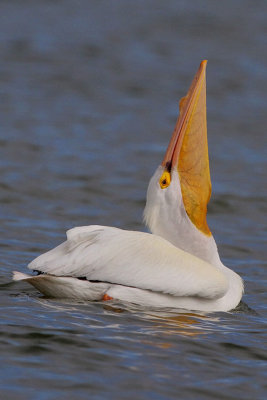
[(165, 216)]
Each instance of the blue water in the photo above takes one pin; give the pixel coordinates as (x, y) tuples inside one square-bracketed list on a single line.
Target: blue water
[(89, 97)]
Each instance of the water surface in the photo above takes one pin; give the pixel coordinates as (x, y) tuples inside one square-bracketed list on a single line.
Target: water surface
[(89, 96)]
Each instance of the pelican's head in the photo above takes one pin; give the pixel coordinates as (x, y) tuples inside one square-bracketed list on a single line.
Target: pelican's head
[(180, 189)]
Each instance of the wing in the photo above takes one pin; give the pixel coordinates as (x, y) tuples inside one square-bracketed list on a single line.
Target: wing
[(130, 258)]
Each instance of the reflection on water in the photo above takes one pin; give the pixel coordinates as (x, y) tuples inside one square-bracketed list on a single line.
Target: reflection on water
[(184, 324), (89, 96)]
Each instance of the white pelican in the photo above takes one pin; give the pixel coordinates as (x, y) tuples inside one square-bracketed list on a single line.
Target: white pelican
[(178, 264)]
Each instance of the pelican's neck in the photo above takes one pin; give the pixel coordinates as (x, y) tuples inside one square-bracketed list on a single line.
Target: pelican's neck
[(165, 216)]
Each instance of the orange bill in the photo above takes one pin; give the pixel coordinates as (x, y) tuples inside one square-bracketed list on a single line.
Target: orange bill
[(188, 151)]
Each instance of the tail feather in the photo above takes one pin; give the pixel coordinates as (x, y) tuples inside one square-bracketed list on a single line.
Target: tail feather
[(64, 286), (19, 276)]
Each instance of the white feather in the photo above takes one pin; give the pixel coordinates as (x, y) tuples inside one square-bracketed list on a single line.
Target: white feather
[(64, 287), (129, 258)]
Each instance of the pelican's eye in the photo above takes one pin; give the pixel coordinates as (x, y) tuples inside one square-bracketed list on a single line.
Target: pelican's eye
[(165, 180)]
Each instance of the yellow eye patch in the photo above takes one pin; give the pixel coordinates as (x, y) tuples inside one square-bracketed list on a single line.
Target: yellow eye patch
[(165, 180)]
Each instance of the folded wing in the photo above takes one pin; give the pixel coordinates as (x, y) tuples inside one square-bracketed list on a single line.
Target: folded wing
[(130, 258)]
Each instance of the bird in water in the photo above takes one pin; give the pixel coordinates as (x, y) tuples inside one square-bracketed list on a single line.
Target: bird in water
[(177, 264)]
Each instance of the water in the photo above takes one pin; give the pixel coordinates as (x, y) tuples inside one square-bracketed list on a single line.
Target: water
[(89, 94)]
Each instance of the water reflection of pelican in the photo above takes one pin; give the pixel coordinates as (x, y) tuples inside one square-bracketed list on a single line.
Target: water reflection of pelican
[(167, 322)]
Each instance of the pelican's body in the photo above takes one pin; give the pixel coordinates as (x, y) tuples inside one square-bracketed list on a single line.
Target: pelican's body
[(178, 264)]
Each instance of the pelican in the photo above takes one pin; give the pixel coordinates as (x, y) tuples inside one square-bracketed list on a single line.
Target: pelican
[(176, 265)]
